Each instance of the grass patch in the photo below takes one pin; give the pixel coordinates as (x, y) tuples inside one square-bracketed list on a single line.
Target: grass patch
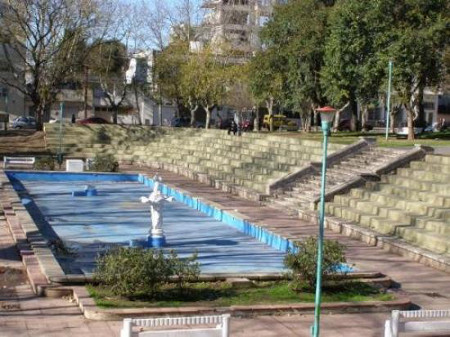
[(345, 137), (221, 294)]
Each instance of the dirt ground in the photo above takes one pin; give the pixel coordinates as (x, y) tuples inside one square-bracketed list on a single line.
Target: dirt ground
[(14, 142)]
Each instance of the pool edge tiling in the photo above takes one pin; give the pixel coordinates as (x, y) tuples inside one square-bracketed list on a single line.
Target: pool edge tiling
[(211, 209)]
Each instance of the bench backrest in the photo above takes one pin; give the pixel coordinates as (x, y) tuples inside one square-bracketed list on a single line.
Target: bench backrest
[(221, 329), (18, 160), (424, 320)]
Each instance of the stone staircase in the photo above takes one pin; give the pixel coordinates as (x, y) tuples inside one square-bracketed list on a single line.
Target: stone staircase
[(242, 165), (353, 170), (413, 205)]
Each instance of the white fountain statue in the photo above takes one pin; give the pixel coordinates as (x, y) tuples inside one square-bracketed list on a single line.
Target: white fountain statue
[(156, 200)]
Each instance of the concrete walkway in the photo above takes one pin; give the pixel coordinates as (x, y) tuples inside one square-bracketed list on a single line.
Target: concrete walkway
[(23, 314)]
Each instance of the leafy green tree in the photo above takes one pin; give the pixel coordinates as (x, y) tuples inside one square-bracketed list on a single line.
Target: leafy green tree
[(415, 35), (205, 79), (266, 79), (294, 39), (168, 65), (352, 72)]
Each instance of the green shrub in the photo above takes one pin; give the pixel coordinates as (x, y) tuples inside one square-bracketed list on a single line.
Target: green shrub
[(184, 269), (133, 272), (303, 262), (104, 163), (46, 163)]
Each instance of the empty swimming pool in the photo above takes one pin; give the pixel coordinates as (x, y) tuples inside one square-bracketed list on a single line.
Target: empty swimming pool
[(90, 225)]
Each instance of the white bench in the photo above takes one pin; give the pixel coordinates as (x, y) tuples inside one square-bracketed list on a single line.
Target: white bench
[(74, 165), (18, 161), (420, 320), (221, 329)]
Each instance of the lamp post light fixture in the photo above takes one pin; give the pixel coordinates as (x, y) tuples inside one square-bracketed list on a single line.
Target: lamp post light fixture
[(326, 116)]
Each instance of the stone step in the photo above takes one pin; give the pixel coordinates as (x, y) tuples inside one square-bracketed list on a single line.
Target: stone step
[(413, 206), (437, 159), (426, 166), (433, 225), (423, 175), (438, 243), (417, 184), (380, 224), (409, 193)]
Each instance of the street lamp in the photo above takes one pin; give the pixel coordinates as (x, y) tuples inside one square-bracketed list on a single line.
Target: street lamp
[(326, 115)]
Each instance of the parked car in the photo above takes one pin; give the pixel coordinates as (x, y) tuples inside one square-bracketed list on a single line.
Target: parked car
[(279, 122), (93, 120), (403, 131), (24, 122), (178, 122)]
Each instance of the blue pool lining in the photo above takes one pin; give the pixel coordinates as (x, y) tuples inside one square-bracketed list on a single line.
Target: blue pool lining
[(228, 217)]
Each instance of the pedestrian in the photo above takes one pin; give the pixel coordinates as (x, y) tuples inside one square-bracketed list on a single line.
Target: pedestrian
[(73, 119), (232, 128)]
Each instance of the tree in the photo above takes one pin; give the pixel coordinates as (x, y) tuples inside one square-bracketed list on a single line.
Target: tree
[(415, 35), (266, 79), (42, 39), (168, 65), (239, 95), (108, 61), (294, 40), (205, 79), (353, 72)]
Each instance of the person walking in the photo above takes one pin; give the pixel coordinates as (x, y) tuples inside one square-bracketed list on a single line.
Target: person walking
[(233, 127)]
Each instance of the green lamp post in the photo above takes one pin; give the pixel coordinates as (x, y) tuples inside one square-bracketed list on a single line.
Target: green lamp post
[(326, 115)]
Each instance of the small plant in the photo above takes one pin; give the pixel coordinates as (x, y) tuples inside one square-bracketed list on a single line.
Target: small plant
[(104, 163), (46, 163), (133, 272), (303, 262), (185, 270)]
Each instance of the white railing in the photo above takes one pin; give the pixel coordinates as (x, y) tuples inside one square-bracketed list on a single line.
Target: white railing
[(221, 328), (18, 161), (424, 320)]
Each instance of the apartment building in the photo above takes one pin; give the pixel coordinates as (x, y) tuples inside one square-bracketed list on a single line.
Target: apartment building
[(235, 23)]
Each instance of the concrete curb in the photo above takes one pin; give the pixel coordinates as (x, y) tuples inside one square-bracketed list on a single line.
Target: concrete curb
[(91, 311)]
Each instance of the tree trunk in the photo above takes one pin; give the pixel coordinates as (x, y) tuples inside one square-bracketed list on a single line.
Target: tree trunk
[(39, 111), (410, 121), (256, 121), (354, 107), (306, 121), (208, 116), (269, 104), (364, 117), (85, 89), (393, 112), (193, 109), (115, 114), (160, 113), (337, 118)]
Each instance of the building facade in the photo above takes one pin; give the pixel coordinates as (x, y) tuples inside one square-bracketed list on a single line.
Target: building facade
[(234, 23)]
